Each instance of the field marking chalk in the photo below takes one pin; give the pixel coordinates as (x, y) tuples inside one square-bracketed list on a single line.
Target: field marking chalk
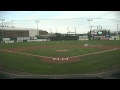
[(56, 59), (64, 58)]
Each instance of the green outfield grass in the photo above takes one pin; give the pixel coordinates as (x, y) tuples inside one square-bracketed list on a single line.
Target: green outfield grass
[(34, 65), (56, 43), (86, 64)]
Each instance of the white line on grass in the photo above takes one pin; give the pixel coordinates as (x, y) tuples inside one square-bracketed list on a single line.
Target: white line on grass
[(62, 59)]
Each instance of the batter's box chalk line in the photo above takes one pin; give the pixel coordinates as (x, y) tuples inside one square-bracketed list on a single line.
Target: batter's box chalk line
[(60, 59)]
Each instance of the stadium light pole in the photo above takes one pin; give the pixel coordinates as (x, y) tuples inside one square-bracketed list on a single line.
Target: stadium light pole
[(37, 21), (89, 22), (2, 26), (117, 25), (14, 29), (12, 25), (117, 29)]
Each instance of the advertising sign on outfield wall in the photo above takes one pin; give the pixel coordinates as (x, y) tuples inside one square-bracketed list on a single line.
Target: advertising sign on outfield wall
[(104, 38), (19, 38), (41, 40), (37, 40), (100, 36), (83, 39), (6, 39), (26, 38), (115, 36), (29, 40), (111, 38), (11, 41)]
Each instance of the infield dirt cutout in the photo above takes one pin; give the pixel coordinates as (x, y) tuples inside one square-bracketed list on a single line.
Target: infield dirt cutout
[(59, 59)]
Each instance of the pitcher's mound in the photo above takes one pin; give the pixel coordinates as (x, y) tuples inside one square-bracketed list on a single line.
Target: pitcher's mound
[(63, 50)]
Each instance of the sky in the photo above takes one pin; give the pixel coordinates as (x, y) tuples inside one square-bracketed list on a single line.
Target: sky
[(62, 21)]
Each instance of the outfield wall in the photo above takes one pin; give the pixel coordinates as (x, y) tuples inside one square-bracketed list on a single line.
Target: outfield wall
[(21, 39), (64, 38)]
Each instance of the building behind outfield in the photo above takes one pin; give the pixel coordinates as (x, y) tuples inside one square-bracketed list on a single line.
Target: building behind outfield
[(13, 33), (10, 33)]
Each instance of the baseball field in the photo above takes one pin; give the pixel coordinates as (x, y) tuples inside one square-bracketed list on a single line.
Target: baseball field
[(60, 57)]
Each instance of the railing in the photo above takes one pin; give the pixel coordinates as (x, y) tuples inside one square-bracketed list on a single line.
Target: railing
[(113, 74)]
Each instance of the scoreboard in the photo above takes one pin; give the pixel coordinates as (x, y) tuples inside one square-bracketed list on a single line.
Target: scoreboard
[(100, 34), (107, 34)]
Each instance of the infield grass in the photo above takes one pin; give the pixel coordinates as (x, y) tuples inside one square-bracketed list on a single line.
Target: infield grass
[(87, 64), (57, 43), (34, 65)]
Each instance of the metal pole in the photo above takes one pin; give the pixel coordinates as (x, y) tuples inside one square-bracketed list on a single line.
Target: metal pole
[(50, 31), (12, 25), (75, 31), (56, 30), (91, 27), (15, 32), (37, 28), (37, 21), (2, 27), (89, 22), (117, 28)]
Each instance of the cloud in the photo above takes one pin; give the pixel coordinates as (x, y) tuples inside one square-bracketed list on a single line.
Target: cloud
[(79, 14), (117, 14), (81, 23)]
